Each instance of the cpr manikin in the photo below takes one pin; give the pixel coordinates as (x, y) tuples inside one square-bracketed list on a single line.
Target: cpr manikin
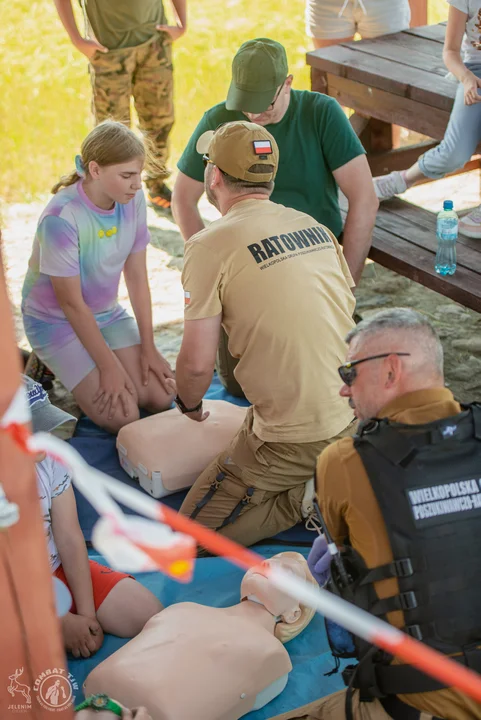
[(167, 452), (193, 662)]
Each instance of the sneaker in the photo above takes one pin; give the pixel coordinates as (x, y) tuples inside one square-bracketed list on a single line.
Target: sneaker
[(386, 186), (470, 225), (161, 201)]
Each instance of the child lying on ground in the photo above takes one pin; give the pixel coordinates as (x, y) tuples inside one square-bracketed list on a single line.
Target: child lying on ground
[(103, 600)]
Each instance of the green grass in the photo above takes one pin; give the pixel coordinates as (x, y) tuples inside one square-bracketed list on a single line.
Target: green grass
[(45, 91), (438, 11)]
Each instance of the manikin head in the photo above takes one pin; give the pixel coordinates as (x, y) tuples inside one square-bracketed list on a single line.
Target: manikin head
[(412, 360), (292, 616), (261, 85), (241, 160)]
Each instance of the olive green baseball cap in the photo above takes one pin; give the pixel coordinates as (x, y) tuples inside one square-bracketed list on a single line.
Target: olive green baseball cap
[(236, 146), (258, 69)]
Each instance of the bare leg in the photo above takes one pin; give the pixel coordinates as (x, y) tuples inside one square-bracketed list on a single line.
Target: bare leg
[(85, 391), (152, 397), (413, 175), (127, 608)]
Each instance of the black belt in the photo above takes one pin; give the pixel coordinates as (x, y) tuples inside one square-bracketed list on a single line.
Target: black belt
[(406, 679)]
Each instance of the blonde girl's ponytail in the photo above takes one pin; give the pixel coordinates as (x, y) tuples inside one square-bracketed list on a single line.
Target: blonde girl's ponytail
[(67, 180)]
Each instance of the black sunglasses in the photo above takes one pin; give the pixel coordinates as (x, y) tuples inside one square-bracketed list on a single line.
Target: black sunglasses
[(206, 160), (276, 97), (348, 371)]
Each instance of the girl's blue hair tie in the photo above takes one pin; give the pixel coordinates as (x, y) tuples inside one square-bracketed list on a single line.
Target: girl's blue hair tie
[(79, 166)]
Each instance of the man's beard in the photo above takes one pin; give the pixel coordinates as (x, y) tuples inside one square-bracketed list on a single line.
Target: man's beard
[(211, 196)]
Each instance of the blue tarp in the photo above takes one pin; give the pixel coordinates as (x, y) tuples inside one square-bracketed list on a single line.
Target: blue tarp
[(216, 582), (97, 447)]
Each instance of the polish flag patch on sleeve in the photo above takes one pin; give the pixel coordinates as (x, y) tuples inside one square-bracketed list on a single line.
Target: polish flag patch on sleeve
[(262, 147), (186, 298)]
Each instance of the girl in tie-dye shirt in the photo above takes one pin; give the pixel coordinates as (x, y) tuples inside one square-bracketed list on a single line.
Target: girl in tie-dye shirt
[(92, 230)]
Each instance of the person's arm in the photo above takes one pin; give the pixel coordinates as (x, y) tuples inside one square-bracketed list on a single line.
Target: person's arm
[(137, 281), (180, 11), (82, 632), (452, 56), (201, 280), (355, 181), (196, 361), (114, 382), (185, 198), (71, 547), (85, 45), (331, 491), (68, 292)]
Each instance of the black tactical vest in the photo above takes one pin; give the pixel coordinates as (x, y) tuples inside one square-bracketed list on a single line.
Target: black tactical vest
[(427, 482)]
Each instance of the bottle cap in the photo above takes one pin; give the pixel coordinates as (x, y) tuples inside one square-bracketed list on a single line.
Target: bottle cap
[(448, 205)]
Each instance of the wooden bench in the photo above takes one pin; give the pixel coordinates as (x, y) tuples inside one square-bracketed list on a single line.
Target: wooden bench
[(404, 240), (401, 79)]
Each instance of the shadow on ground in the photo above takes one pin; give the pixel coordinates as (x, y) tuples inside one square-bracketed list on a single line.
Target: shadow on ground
[(168, 339), (458, 327), (171, 242)]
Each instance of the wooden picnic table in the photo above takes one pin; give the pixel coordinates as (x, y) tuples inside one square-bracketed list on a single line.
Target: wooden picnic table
[(400, 79)]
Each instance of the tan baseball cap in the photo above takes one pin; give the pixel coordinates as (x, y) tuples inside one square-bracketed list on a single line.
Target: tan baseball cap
[(236, 146)]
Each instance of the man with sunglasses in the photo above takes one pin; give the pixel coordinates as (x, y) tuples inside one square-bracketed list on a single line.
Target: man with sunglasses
[(319, 153), (402, 500), (277, 281)]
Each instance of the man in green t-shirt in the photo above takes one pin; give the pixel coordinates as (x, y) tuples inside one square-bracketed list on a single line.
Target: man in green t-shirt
[(129, 46), (319, 151)]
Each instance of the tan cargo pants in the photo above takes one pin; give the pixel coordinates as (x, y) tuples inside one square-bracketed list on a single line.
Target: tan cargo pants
[(333, 707), (144, 72), (254, 489)]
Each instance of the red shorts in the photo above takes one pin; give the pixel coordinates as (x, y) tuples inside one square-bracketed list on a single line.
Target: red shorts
[(104, 579)]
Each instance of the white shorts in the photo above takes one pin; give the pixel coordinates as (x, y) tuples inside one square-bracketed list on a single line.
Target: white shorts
[(369, 18), (57, 345)]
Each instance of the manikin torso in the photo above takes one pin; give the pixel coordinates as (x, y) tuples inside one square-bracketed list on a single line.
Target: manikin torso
[(193, 662), (156, 445)]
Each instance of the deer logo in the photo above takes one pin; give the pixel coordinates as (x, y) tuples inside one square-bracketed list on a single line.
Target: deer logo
[(18, 687)]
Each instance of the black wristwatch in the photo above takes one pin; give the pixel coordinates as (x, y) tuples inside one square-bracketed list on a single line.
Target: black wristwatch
[(182, 407)]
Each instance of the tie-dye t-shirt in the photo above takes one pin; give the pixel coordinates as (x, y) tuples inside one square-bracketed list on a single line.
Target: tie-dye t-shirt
[(75, 237), (52, 481)]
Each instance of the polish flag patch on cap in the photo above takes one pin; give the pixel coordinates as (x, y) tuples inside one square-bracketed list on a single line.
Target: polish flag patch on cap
[(262, 147), (186, 298)]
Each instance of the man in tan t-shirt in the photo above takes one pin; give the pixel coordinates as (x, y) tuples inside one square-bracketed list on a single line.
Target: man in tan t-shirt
[(276, 280), (394, 371)]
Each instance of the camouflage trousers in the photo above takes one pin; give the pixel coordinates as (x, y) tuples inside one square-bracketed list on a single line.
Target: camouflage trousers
[(145, 73)]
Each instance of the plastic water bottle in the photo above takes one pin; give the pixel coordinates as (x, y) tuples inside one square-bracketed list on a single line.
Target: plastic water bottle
[(447, 234)]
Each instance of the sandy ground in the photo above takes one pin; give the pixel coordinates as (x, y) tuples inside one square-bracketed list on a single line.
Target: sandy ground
[(460, 329)]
